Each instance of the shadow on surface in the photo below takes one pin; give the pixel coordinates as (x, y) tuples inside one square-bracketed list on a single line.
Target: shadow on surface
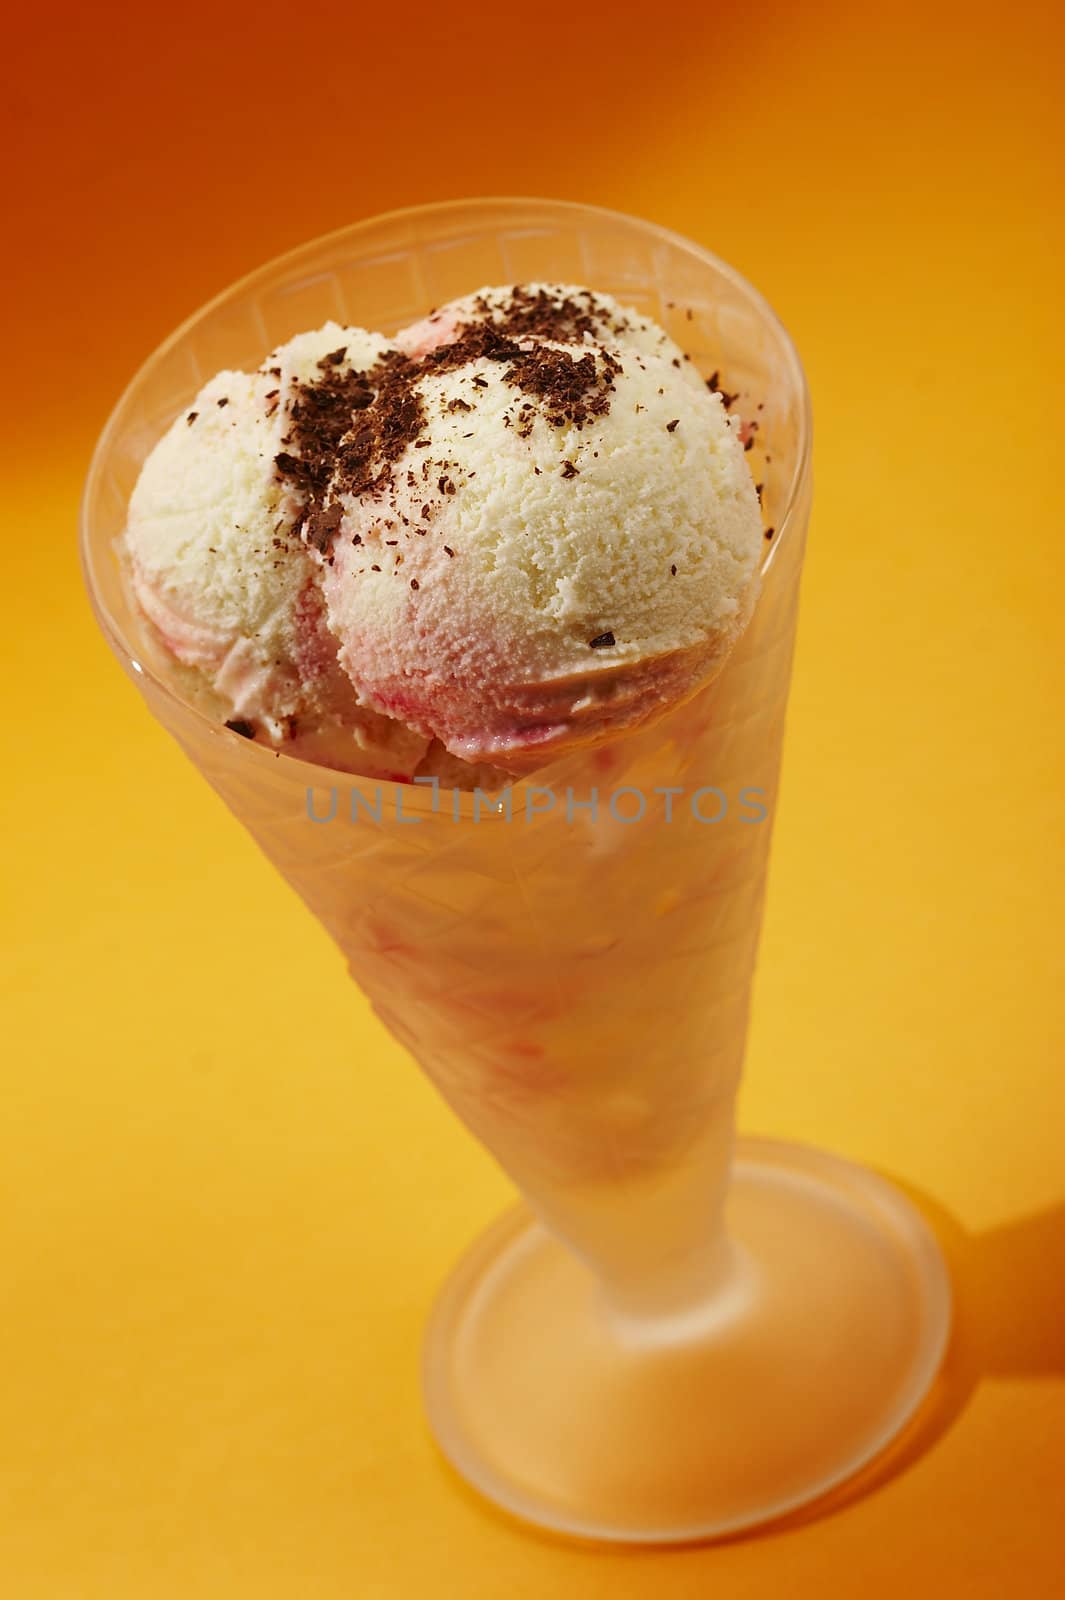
[(1008, 1322)]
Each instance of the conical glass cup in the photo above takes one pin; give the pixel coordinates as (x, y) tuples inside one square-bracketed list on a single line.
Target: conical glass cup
[(677, 1335)]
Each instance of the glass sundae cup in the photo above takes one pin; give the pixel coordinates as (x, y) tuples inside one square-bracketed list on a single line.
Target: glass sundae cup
[(677, 1335)]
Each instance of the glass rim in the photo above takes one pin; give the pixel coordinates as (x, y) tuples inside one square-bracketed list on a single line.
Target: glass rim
[(126, 649)]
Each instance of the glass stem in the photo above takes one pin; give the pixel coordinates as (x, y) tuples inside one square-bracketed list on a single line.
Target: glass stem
[(655, 1238)]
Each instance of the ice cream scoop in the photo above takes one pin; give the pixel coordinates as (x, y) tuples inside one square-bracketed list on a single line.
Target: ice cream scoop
[(218, 566), (540, 533)]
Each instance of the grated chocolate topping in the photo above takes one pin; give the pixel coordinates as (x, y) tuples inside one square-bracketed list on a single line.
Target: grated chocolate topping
[(348, 428), (565, 319)]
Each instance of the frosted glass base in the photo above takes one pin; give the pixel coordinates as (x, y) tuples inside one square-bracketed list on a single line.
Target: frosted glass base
[(823, 1344)]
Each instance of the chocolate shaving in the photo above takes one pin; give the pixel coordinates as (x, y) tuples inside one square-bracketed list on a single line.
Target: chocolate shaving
[(602, 641), (713, 383), (320, 527)]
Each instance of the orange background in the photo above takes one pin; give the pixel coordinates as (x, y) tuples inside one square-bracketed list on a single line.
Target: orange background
[(226, 1197)]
